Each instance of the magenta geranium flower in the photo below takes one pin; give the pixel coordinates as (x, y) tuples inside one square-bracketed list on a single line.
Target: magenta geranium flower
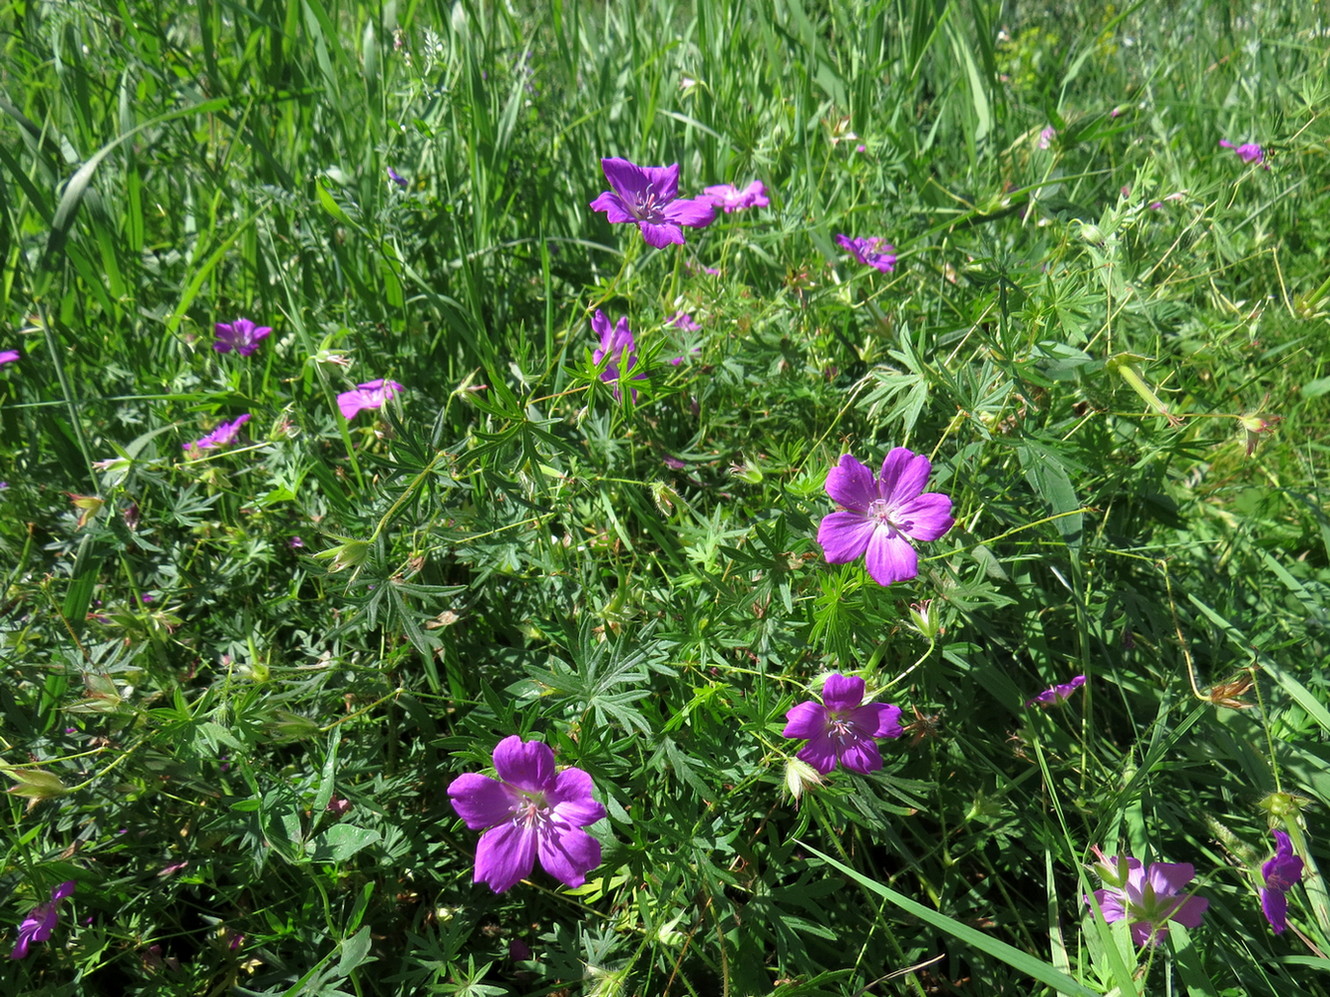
[(883, 515), (730, 198), (1280, 872), (841, 730), (8, 356), (225, 433), (1148, 898), (648, 196), (1057, 694), (616, 342), (1248, 152), (684, 321), (872, 252), (39, 924), (529, 812), (370, 395), (242, 335)]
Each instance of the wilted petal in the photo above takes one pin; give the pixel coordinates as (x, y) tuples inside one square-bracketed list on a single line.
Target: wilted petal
[(1274, 905), (844, 536), (842, 693), (807, 720), (890, 558), (926, 517), (850, 483), (528, 765), (505, 855), (568, 854), (481, 801)]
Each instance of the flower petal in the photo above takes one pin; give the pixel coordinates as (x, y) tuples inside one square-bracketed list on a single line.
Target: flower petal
[(1169, 878), (1274, 905), (481, 801), (890, 558), (925, 517), (850, 483), (351, 402), (614, 208), (1110, 904), (861, 755), (844, 536), (879, 719), (628, 179), (807, 720), (1190, 911), (528, 765), (661, 236), (904, 474), (664, 180), (571, 801), (819, 752), (65, 889), (842, 693), (695, 213), (506, 854), (568, 854)]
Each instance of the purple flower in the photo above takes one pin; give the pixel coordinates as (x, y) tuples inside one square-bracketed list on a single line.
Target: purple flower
[(225, 433), (839, 729), (616, 342), (684, 321), (8, 356), (1280, 873), (649, 197), (242, 335), (1148, 898), (39, 924), (1248, 152), (396, 177), (1046, 137), (370, 395), (529, 811), (1057, 694), (872, 252), (730, 198), (882, 515)]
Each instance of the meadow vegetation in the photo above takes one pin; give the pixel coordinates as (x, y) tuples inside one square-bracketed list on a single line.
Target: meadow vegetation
[(273, 599)]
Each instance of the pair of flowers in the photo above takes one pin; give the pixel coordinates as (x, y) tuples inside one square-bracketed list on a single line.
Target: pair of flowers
[(533, 811), (648, 197), (1150, 898)]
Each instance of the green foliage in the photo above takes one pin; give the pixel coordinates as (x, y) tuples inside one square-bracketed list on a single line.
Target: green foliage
[(238, 683)]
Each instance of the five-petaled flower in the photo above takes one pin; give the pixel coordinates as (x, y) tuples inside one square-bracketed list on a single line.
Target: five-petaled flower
[(39, 924), (1058, 694), (370, 395), (529, 811), (1248, 152), (1279, 873), (730, 198), (242, 335), (616, 343), (648, 196), (872, 252), (840, 729), (1147, 898), (224, 434), (882, 515)]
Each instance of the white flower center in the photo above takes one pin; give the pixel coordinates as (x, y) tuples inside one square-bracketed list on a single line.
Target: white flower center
[(883, 513), (648, 205), (531, 810)]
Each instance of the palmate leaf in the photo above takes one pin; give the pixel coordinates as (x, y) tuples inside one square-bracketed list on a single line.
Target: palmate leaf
[(604, 680)]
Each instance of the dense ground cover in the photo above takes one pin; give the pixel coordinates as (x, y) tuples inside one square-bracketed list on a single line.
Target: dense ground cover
[(274, 599)]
